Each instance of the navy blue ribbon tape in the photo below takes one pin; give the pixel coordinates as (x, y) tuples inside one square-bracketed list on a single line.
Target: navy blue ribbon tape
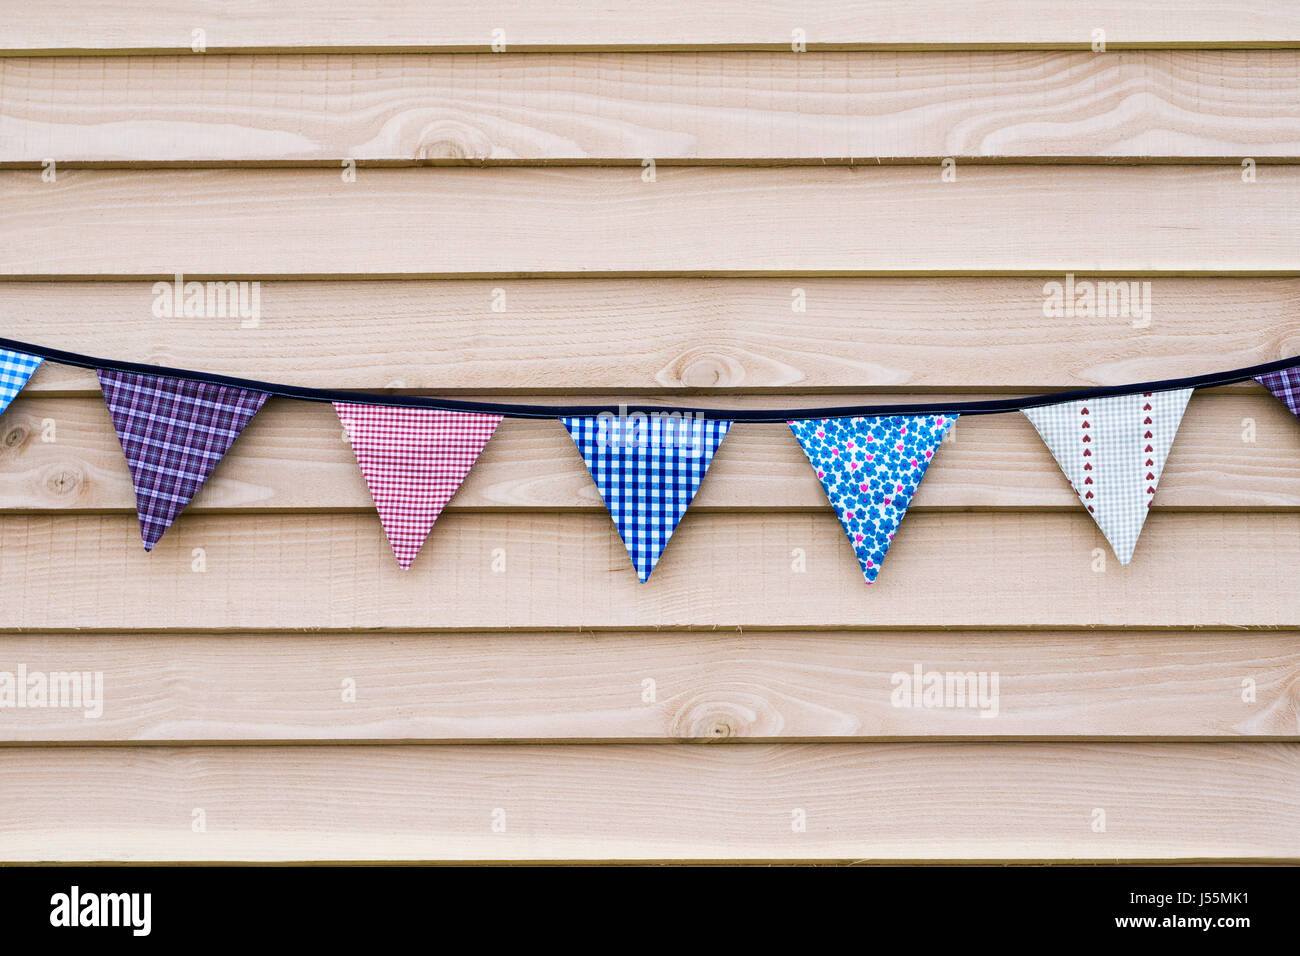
[(987, 407)]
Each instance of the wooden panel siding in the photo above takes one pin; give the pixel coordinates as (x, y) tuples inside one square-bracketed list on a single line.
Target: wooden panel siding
[(425, 215)]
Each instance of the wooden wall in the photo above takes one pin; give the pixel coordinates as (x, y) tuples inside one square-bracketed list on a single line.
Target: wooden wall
[(651, 186)]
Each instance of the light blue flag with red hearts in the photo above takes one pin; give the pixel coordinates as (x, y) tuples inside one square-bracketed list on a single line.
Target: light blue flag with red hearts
[(1113, 449), (870, 469)]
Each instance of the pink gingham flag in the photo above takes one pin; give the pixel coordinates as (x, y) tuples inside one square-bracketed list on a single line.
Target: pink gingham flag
[(414, 459)]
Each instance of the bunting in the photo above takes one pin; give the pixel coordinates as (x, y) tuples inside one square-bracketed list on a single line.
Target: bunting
[(870, 469), (1285, 386), (16, 368), (414, 460), (647, 469), (1113, 451), (176, 425), (173, 432)]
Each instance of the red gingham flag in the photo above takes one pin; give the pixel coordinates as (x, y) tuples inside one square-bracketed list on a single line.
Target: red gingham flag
[(414, 459)]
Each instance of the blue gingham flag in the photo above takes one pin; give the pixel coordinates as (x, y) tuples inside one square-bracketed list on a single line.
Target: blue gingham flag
[(15, 369), (647, 470), (1113, 452)]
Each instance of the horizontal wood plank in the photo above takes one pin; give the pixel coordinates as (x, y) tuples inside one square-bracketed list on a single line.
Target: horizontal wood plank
[(1233, 452), (571, 571), (628, 107), (608, 686), (1190, 801), (576, 335), (719, 221), (168, 25)]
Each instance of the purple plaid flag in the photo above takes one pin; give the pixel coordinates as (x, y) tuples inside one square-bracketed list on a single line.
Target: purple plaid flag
[(173, 431), (1285, 385)]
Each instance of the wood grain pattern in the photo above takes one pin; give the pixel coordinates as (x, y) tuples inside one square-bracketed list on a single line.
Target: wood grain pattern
[(513, 222), (508, 671), (638, 685), (570, 336), (737, 107), (571, 571), (294, 457), (167, 25), (628, 802)]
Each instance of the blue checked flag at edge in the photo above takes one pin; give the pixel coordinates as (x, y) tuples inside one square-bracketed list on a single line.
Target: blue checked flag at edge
[(870, 469), (173, 431), (647, 470), (15, 370)]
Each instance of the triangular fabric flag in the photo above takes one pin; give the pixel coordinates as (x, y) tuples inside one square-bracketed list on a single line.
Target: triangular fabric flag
[(15, 370), (414, 459), (173, 432), (870, 468), (647, 469), (1113, 451), (1285, 386)]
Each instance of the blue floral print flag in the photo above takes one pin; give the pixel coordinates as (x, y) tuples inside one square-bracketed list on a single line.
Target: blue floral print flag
[(15, 369), (870, 469), (647, 469)]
